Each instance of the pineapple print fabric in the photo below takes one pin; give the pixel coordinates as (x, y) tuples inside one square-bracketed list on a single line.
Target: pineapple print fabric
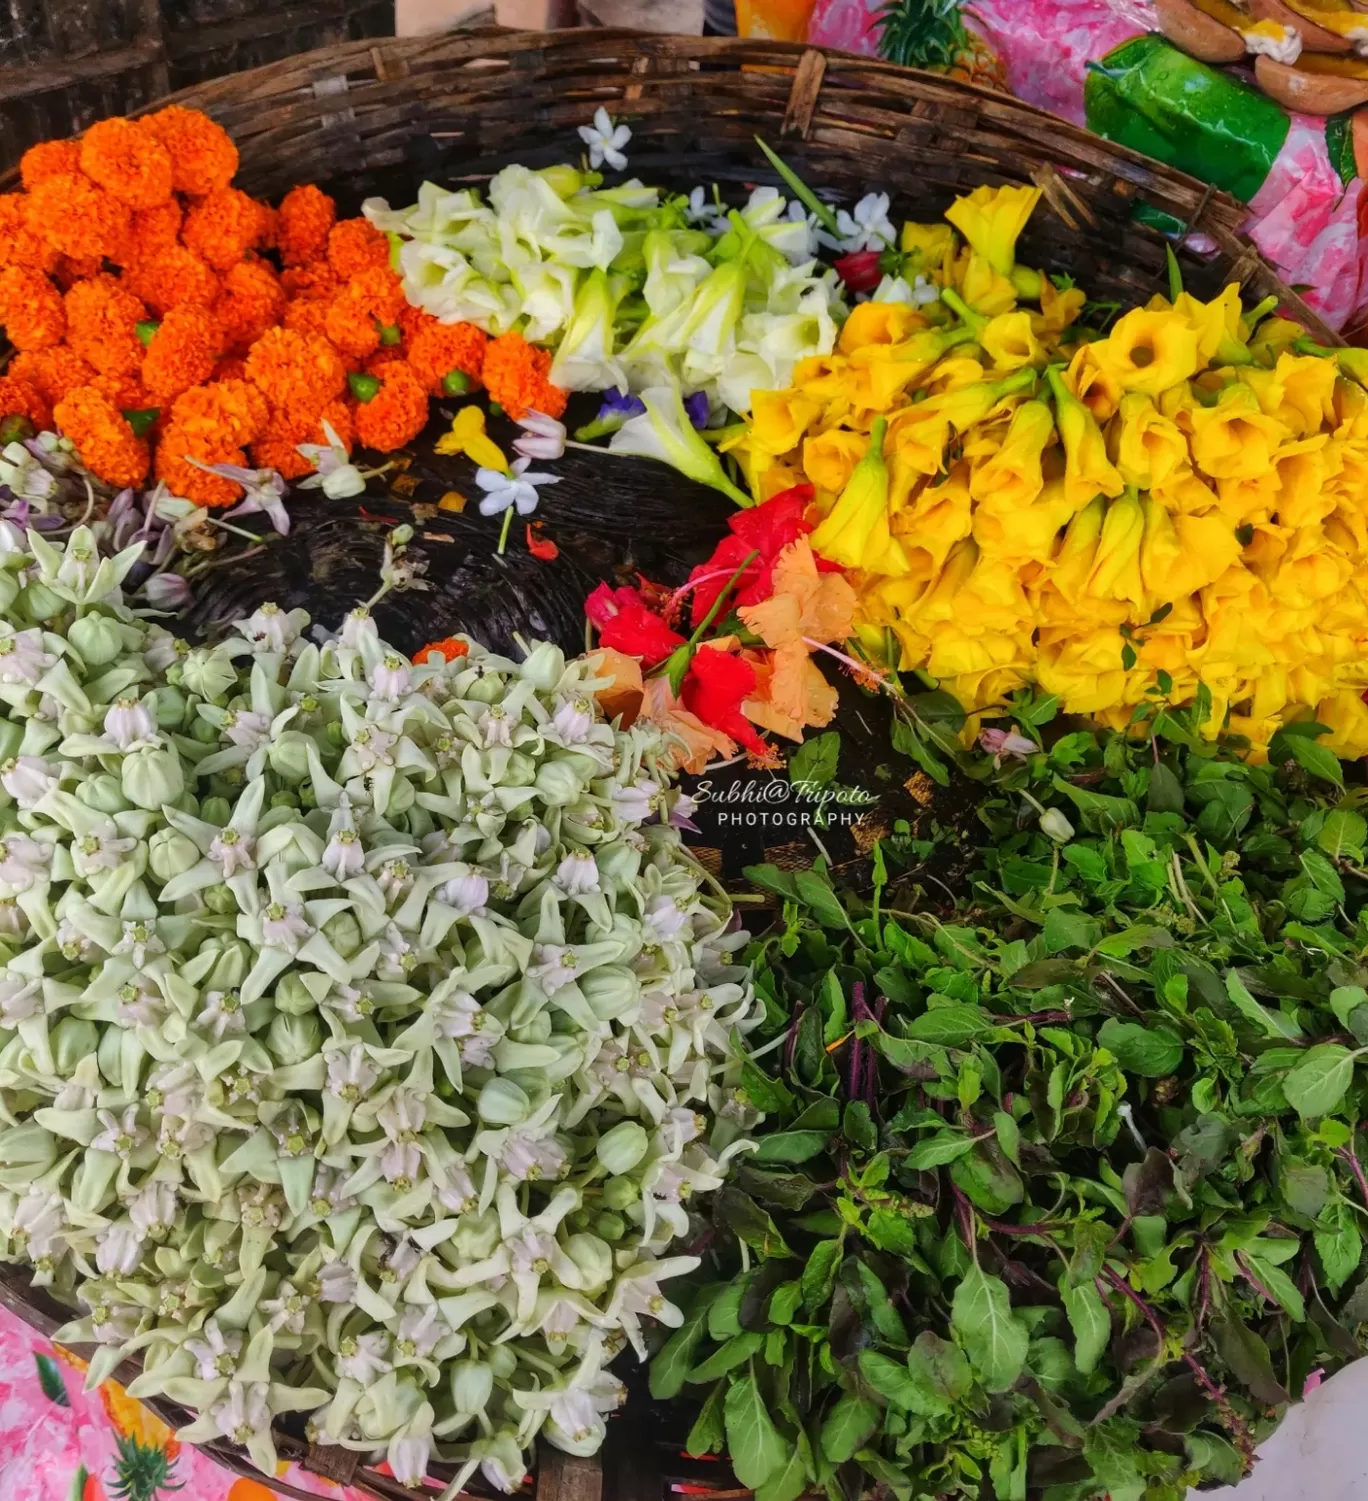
[(61, 1443)]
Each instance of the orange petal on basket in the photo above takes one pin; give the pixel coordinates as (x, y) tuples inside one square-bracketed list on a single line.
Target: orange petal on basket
[(453, 500), (541, 547)]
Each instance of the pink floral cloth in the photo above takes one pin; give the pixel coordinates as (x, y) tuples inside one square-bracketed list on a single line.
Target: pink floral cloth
[(61, 1443)]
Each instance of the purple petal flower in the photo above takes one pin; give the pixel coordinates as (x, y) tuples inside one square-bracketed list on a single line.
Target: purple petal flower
[(167, 591), (697, 408), (620, 404)]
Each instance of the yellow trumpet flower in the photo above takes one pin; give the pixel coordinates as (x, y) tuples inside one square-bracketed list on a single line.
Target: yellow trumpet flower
[(1087, 468), (856, 532), (467, 435), (1026, 533), (1148, 351), (1116, 565), (992, 219), (931, 246), (780, 420), (940, 517), (1146, 447), (829, 458), (1234, 439), (1012, 477), (879, 323)]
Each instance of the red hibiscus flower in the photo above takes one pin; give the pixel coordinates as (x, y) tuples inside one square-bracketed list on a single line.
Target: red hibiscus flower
[(860, 271), (625, 624), (765, 529), (717, 685)]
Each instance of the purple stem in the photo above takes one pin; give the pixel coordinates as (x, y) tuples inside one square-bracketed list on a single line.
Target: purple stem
[(791, 1041), (1348, 1155), (859, 1012)]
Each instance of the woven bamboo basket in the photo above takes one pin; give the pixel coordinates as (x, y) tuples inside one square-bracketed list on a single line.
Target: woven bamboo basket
[(379, 117)]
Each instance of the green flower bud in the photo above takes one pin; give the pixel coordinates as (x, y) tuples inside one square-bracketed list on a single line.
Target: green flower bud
[(233, 964), (292, 996), (612, 991), (219, 899), (97, 638), (152, 777), (619, 865), (611, 1226), (294, 1039), (204, 732), (216, 810), (289, 756), (476, 1236), (9, 590), (502, 1360), (620, 1149), (619, 1193), (71, 1040), (502, 1103), (344, 933), (488, 689), (103, 793), (169, 705), (209, 673), (472, 1384), (171, 853), (559, 783), (544, 668), (40, 603), (283, 799), (593, 1258)]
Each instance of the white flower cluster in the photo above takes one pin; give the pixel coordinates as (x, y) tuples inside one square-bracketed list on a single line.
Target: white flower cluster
[(364, 1029)]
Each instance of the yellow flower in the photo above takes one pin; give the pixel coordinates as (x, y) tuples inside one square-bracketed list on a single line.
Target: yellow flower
[(856, 533), (877, 378), (1116, 566), (1025, 533), (1274, 335), (920, 432), (938, 519), (1148, 352), (1304, 471), (930, 245), (779, 420), (1073, 563), (983, 287), (829, 458), (1087, 468), (1084, 670), (468, 436), (991, 220), (953, 373), (1010, 342), (1234, 439), (879, 323), (1216, 324), (1308, 383), (1096, 388), (1347, 717), (1184, 491), (1148, 447), (1059, 309), (1182, 554), (1012, 477)]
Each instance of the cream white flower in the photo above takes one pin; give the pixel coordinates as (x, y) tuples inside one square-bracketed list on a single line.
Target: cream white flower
[(27, 779), (605, 141)]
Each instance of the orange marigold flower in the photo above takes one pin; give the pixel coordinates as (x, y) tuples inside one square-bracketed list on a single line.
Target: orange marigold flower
[(19, 398), (31, 309), (203, 157), (438, 349), (73, 268), (252, 302), (306, 315), (102, 319), (231, 367), (77, 216), (305, 216), (19, 244), (183, 352), (153, 230), (51, 372), (368, 304), (355, 245), (314, 282), (278, 446), (295, 371), (124, 388), (125, 157), (448, 649), (224, 226), (49, 159), (515, 375), (178, 446), (171, 278), (102, 437), (231, 411), (396, 414)]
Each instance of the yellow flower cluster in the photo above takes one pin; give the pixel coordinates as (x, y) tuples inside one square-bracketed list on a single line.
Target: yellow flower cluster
[(1182, 501)]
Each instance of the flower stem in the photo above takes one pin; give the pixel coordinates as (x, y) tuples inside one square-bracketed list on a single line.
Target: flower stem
[(503, 533), (722, 593)]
